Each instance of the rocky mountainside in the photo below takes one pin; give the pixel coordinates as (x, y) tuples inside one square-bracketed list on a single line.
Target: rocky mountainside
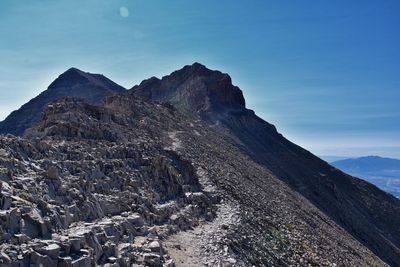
[(133, 182), (359, 207), (73, 82)]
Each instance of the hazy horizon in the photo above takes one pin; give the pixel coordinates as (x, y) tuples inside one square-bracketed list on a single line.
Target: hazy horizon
[(325, 74)]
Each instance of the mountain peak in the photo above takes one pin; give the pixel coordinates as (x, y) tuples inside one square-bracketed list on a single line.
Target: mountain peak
[(194, 88), (72, 83), (74, 69), (70, 77), (197, 64), (197, 67)]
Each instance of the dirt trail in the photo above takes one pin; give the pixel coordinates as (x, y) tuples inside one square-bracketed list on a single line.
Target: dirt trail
[(200, 246)]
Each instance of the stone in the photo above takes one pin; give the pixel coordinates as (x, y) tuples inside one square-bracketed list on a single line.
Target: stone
[(64, 262), (42, 260), (14, 220), (231, 260), (136, 220), (4, 258), (83, 261), (52, 250), (112, 259), (155, 246), (169, 263), (75, 244), (5, 200), (33, 225), (22, 238), (152, 259), (52, 172)]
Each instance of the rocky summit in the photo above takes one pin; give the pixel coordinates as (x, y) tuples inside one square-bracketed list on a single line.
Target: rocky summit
[(176, 172), (92, 87)]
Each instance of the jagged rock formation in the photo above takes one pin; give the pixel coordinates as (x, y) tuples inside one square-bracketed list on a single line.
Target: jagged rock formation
[(130, 182), (194, 89), (73, 82), (361, 208)]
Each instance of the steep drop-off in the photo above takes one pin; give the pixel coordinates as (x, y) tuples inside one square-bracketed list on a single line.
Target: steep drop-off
[(369, 214)]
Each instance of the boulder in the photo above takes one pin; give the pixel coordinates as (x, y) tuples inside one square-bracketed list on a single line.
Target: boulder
[(155, 247), (169, 263), (83, 261), (152, 259), (42, 260), (52, 250), (64, 262), (5, 200)]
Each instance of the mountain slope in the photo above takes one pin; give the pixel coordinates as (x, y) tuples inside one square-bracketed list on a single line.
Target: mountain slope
[(73, 82), (367, 213), (134, 182), (382, 172), (195, 178)]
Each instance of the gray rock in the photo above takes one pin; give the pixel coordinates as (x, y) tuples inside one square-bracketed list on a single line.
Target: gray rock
[(83, 261), (52, 250), (64, 262), (5, 200), (169, 263), (4, 258), (155, 246), (42, 260), (152, 259)]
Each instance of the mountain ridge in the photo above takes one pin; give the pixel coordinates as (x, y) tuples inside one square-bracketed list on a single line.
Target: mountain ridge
[(301, 170), (264, 222), (194, 111)]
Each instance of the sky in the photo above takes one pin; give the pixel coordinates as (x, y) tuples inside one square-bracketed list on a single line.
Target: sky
[(326, 73)]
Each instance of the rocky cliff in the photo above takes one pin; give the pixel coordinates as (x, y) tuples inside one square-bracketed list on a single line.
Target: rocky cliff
[(194, 89)]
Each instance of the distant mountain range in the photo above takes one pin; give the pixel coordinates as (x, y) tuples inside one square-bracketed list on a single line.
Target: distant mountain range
[(383, 172)]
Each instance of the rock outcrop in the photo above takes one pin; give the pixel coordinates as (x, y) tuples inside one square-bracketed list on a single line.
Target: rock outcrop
[(194, 89)]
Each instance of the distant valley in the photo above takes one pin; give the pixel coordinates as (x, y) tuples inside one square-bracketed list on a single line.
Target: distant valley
[(382, 172)]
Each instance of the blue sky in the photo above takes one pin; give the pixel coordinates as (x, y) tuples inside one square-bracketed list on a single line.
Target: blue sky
[(326, 73)]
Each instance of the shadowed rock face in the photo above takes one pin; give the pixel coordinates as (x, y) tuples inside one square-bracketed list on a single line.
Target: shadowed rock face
[(369, 214), (194, 89), (73, 82)]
